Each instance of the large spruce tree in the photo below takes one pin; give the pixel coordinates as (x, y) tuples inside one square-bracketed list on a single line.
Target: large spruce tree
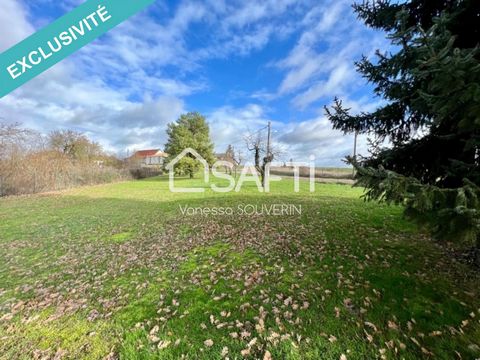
[(430, 117)]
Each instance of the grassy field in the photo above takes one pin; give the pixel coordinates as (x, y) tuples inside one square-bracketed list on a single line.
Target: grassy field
[(118, 271)]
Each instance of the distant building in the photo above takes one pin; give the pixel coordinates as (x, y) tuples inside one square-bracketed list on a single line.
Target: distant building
[(148, 158), (223, 157)]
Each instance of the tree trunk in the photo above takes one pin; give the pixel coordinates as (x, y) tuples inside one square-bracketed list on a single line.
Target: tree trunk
[(259, 167), (257, 157), (266, 160)]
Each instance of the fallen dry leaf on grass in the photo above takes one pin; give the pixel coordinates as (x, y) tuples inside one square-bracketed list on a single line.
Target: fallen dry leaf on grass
[(208, 343)]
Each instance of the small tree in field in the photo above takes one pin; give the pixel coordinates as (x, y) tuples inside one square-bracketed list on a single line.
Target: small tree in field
[(431, 115), (189, 131), (262, 157)]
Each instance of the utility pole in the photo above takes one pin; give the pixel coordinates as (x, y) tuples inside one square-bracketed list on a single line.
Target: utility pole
[(269, 126), (355, 149), (267, 159)]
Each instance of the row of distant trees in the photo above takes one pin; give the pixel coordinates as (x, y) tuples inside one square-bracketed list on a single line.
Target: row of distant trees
[(31, 162)]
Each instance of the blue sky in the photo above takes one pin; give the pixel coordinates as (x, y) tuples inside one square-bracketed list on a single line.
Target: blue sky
[(240, 63)]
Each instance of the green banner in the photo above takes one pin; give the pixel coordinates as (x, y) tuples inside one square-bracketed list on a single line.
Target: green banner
[(58, 40)]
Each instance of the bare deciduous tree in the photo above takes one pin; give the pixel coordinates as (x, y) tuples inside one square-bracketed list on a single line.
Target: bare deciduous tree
[(233, 157), (237, 160), (31, 162), (262, 155), (14, 138), (74, 144)]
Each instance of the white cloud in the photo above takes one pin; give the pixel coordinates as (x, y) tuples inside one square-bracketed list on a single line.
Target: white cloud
[(245, 13), (321, 65), (342, 75), (14, 26), (229, 125), (316, 137), (117, 125)]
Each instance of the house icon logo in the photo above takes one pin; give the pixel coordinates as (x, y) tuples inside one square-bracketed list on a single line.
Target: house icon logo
[(171, 170)]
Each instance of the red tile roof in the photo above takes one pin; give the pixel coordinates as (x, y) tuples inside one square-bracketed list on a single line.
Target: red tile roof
[(145, 153)]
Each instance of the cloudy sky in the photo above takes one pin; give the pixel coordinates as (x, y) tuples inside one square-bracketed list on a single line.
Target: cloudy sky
[(240, 63)]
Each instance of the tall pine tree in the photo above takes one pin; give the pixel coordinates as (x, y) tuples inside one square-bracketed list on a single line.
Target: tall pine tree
[(431, 113)]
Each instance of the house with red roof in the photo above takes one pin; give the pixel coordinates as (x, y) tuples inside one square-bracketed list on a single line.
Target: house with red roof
[(149, 158)]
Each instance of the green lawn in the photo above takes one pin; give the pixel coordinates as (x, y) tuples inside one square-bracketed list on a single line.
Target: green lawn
[(117, 271)]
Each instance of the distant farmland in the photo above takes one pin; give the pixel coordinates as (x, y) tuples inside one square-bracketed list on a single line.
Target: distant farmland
[(320, 172)]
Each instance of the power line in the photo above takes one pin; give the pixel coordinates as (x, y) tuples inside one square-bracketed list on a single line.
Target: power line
[(242, 140)]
